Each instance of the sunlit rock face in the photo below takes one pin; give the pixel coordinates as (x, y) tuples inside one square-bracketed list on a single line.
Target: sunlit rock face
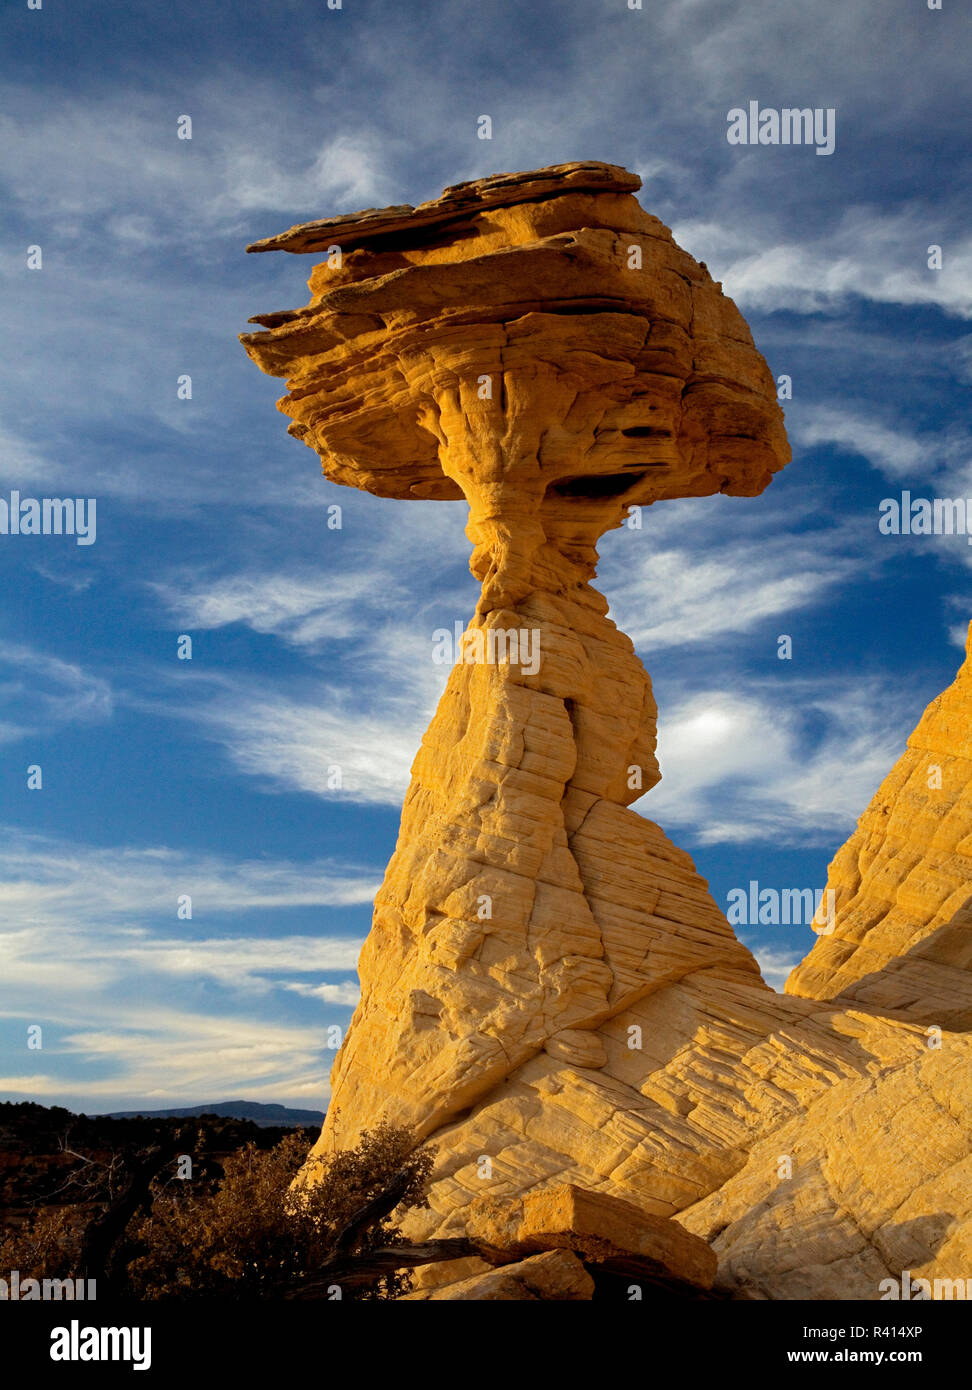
[(534, 342), (548, 989), (902, 884)]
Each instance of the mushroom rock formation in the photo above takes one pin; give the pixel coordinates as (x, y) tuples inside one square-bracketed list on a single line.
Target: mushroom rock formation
[(548, 988), (496, 345)]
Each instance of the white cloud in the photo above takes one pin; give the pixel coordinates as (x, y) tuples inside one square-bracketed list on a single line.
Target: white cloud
[(350, 170), (107, 958), (362, 584), (354, 734), (132, 1011), (741, 765), (775, 964), (77, 583), (673, 594), (46, 882), (876, 255), (42, 692), (305, 745), (347, 993), (154, 1056), (301, 609), (22, 464), (73, 161), (939, 460), (895, 451)]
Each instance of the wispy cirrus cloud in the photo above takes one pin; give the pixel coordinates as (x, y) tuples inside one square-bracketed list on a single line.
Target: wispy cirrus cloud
[(303, 609), (347, 993), (140, 1003), (46, 882), (43, 692), (871, 254), (671, 588), (171, 1056), (891, 446), (72, 162), (325, 742)]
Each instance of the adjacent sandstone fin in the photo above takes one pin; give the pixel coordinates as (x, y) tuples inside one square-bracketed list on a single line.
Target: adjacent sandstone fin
[(902, 937)]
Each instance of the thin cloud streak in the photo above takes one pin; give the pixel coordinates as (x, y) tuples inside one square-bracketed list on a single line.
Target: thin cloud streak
[(46, 881)]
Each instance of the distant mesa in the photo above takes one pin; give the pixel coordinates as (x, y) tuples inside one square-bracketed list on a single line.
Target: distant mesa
[(265, 1116)]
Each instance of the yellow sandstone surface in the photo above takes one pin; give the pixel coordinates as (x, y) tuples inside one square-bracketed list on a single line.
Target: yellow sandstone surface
[(903, 882), (611, 1234), (601, 1234), (554, 1276), (549, 992)]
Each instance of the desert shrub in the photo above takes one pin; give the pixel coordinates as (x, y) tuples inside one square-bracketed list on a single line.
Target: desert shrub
[(45, 1245), (256, 1234)]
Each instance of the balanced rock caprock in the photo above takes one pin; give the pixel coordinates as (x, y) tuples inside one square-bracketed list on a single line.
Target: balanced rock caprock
[(549, 992)]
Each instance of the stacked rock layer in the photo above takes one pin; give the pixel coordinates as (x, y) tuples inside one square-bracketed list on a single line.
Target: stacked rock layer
[(548, 989)]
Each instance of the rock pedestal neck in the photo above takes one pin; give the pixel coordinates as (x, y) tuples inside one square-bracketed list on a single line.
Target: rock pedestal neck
[(548, 989)]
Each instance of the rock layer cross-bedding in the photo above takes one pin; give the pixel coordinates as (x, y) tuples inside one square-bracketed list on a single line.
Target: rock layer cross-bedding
[(549, 992)]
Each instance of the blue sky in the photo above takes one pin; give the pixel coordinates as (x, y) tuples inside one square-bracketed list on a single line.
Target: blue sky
[(311, 646)]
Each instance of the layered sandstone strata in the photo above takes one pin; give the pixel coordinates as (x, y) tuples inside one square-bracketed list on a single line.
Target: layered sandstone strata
[(548, 989), (902, 936), (877, 1173)]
